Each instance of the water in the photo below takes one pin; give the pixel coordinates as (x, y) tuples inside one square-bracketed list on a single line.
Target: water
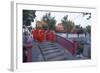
[(80, 37), (70, 35)]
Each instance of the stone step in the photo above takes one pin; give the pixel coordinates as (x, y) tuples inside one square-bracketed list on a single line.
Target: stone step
[(61, 57), (48, 43), (51, 51), (53, 55), (50, 48), (47, 46)]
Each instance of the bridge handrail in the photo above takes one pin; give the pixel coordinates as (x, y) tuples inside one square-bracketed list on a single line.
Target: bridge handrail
[(70, 46)]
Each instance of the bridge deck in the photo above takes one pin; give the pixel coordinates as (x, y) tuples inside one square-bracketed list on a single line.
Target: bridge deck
[(50, 51)]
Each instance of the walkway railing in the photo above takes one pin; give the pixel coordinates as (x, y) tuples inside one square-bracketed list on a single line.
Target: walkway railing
[(71, 46)]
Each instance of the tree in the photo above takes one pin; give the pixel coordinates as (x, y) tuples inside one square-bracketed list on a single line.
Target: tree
[(47, 18), (64, 21), (30, 28), (88, 29), (79, 29), (68, 24), (85, 14), (28, 17)]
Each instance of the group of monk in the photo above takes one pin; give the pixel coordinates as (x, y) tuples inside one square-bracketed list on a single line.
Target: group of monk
[(41, 35)]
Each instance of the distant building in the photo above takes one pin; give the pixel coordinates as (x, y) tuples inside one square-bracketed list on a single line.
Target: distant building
[(60, 27)]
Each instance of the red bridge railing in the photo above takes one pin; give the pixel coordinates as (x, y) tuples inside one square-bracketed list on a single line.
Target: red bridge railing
[(71, 46)]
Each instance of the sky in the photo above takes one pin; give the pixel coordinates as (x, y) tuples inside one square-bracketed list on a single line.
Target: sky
[(77, 18)]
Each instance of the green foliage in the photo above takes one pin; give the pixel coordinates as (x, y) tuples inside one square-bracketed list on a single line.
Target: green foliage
[(79, 29), (80, 48), (68, 24), (47, 18), (65, 19), (88, 29), (30, 28), (28, 17), (85, 14)]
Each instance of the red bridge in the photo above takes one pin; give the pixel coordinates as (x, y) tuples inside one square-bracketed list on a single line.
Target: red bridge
[(51, 47)]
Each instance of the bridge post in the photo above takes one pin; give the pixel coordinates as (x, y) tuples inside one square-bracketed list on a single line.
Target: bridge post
[(74, 50)]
